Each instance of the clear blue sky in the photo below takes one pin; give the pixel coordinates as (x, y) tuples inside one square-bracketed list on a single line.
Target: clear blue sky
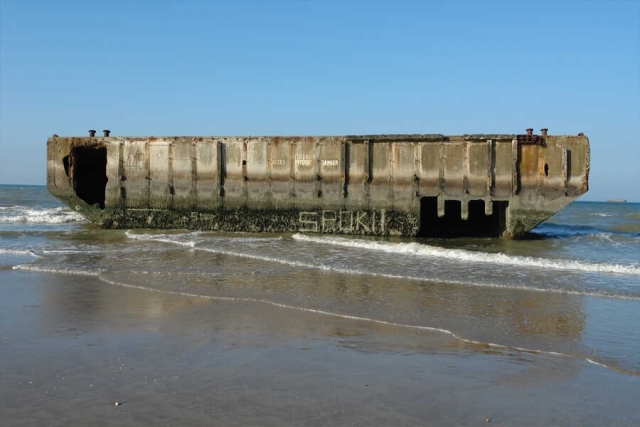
[(322, 68)]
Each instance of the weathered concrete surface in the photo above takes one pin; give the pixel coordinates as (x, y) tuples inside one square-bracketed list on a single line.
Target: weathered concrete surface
[(408, 185)]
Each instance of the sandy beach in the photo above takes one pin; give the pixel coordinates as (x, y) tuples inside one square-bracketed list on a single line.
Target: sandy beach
[(73, 346)]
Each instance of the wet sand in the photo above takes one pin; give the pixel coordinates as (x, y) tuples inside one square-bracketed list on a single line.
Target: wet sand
[(72, 346)]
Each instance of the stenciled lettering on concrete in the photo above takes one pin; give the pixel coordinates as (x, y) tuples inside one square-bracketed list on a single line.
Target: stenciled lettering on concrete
[(304, 160), (330, 164), (330, 221)]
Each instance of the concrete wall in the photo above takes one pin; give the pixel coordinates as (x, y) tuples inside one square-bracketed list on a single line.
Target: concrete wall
[(379, 184)]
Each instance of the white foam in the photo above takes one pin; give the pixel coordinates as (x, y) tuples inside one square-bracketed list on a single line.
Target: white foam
[(166, 238), (191, 239), (79, 251), (17, 252), (19, 214), (595, 362), (39, 269), (417, 249), (431, 279), (254, 239), (291, 263)]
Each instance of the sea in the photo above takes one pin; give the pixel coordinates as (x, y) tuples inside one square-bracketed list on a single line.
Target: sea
[(570, 289)]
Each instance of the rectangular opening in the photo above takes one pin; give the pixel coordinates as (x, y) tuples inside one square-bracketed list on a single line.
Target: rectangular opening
[(87, 167), (452, 225)]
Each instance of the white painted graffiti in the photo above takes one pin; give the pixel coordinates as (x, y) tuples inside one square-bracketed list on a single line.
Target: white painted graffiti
[(328, 221)]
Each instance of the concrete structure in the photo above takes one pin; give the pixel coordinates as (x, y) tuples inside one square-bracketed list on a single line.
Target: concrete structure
[(406, 185)]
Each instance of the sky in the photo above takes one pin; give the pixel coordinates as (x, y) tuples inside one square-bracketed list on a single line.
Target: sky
[(322, 68)]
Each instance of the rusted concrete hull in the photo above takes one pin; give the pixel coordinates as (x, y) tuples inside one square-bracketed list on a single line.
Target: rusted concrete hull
[(408, 185)]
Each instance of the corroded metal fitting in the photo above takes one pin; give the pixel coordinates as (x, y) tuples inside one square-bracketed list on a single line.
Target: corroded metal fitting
[(106, 132), (530, 131), (544, 131), (92, 133)]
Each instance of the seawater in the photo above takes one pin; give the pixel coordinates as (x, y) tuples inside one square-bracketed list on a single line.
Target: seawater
[(571, 289)]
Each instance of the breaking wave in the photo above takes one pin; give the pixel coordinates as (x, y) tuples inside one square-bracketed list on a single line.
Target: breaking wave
[(21, 214), (564, 230), (418, 249), (7, 251), (408, 248), (191, 239), (55, 270), (183, 239)]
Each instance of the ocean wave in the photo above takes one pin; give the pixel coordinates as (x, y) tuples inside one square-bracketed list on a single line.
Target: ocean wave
[(191, 239), (433, 278), (420, 250), (55, 270), (9, 251), (417, 249), (565, 230), (253, 239), (80, 251), (20, 214), (178, 239)]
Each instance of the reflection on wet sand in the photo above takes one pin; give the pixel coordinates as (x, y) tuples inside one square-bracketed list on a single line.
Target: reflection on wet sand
[(195, 359), (513, 318)]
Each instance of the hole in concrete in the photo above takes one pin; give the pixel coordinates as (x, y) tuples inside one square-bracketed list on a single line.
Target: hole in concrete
[(451, 225), (88, 170), (65, 163), (546, 169)]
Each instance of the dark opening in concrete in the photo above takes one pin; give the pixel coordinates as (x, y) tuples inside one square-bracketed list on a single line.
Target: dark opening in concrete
[(88, 170), (65, 163), (451, 225)]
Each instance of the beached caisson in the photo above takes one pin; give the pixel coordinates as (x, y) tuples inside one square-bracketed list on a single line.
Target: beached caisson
[(405, 185)]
